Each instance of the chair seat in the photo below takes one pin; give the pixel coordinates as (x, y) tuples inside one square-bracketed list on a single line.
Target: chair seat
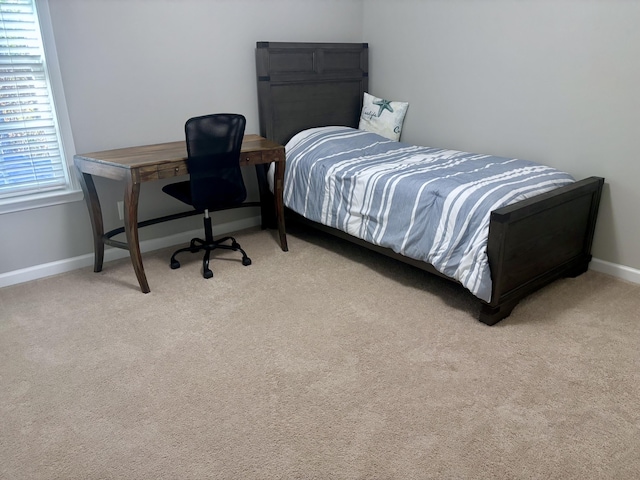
[(226, 193), (180, 191)]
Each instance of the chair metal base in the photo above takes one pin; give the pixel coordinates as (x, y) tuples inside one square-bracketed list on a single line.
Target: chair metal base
[(209, 244)]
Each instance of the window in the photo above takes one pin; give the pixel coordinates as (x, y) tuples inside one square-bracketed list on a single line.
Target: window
[(33, 164)]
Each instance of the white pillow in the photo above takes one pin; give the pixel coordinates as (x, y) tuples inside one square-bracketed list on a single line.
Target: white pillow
[(383, 117)]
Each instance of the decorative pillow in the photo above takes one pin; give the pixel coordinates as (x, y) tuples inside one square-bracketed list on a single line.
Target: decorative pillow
[(383, 117)]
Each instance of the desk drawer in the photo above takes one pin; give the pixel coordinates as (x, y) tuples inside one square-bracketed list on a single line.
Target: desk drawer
[(265, 156), (172, 170), (250, 158)]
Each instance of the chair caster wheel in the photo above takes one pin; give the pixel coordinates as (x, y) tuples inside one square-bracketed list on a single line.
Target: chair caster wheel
[(175, 264), (246, 261), (207, 274)]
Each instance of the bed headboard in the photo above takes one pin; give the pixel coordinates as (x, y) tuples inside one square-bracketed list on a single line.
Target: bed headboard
[(305, 85)]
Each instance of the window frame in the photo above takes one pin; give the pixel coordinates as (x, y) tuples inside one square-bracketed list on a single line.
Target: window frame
[(72, 193)]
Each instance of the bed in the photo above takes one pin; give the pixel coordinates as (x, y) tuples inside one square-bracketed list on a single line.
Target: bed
[(310, 95)]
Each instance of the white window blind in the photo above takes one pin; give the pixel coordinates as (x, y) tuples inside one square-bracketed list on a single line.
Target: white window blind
[(32, 158)]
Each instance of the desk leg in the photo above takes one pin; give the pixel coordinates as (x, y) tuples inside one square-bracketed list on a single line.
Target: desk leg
[(95, 214), (131, 195), (278, 192), (267, 212)]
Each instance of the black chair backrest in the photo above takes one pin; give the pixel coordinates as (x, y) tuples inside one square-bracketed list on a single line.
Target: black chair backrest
[(213, 149)]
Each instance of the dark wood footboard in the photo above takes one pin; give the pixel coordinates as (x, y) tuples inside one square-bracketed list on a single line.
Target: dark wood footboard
[(536, 241)]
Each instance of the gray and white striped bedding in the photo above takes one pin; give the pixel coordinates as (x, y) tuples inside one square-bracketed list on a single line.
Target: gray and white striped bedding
[(425, 203)]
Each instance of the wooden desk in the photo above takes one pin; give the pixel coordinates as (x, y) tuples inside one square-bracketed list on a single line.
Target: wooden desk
[(136, 165)]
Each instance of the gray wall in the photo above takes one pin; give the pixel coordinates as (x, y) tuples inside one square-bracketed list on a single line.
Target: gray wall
[(134, 71), (555, 81), (549, 80)]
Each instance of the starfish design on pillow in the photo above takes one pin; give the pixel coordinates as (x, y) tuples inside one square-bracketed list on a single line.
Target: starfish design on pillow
[(384, 105)]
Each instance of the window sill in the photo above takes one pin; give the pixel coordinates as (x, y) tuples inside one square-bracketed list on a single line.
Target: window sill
[(11, 205)]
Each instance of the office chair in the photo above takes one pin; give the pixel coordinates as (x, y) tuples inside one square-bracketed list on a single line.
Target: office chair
[(215, 179)]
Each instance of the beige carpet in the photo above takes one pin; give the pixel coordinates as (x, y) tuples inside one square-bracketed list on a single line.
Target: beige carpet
[(326, 362)]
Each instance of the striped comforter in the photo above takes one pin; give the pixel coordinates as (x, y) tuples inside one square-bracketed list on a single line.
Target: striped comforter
[(425, 203)]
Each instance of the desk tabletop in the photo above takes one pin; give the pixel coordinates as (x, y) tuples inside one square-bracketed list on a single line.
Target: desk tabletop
[(157, 154)]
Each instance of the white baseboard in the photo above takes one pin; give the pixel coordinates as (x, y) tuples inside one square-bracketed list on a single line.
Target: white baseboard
[(66, 265), (615, 270), (61, 266)]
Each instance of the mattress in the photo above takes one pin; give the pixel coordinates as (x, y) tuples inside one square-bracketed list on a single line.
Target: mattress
[(426, 203)]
